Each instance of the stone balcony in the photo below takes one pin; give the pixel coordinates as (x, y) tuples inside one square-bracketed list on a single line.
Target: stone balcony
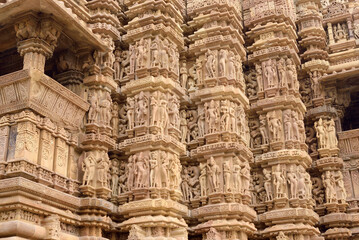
[(349, 144), (31, 89)]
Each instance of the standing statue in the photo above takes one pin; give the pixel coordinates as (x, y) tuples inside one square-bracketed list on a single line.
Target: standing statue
[(155, 60), (130, 171), (131, 112), (155, 180), (141, 109), (133, 54), (308, 185), (199, 73), (117, 64), (213, 172), (269, 74), (89, 166), (237, 180), (332, 138), (293, 182), (225, 119), (164, 54), (292, 75), (222, 62), (162, 112), (105, 109), (283, 82), (329, 184), (164, 169), (212, 117), (275, 127), (321, 133), (287, 119), (184, 75), (185, 185), (173, 112), (154, 108), (183, 126), (231, 66), (295, 127), (201, 122), (263, 130), (246, 175), (341, 192), (268, 184), (227, 175), (103, 165), (140, 171), (210, 64), (203, 180), (259, 75), (93, 111), (279, 182), (114, 177), (316, 87)]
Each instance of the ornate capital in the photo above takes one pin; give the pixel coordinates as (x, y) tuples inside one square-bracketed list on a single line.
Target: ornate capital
[(36, 39)]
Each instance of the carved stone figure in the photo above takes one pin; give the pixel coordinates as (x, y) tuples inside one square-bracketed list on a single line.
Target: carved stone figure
[(227, 174), (203, 180), (114, 177), (184, 75), (279, 182), (293, 182), (185, 185), (329, 184), (140, 171), (222, 62), (283, 82), (183, 126), (237, 180), (131, 112), (94, 110), (213, 172), (268, 184), (141, 109), (89, 167), (210, 64), (270, 74), (155, 174), (212, 117), (275, 127)]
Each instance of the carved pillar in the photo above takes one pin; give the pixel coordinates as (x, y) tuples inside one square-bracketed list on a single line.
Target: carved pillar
[(350, 28), (37, 39), (153, 147), (69, 72), (221, 149), (281, 184), (330, 33), (98, 71)]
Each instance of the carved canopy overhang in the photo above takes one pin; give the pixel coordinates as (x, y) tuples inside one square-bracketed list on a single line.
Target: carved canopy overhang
[(72, 17), (31, 89), (343, 65), (337, 12)]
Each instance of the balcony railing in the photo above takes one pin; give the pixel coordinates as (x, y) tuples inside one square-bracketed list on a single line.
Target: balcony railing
[(349, 143)]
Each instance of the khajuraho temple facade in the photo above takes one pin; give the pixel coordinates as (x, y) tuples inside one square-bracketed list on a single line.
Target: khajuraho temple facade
[(179, 119)]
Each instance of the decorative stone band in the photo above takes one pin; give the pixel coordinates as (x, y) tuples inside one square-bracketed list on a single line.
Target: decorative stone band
[(151, 140), (196, 6), (33, 89), (285, 156), (230, 210), (137, 208), (151, 83)]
